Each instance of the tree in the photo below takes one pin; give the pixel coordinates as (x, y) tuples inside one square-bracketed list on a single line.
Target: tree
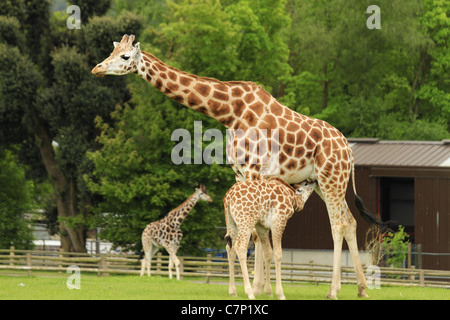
[(433, 94), (15, 201), (48, 102), (368, 82)]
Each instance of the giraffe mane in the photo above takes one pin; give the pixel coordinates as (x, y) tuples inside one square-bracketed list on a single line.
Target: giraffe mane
[(227, 83)]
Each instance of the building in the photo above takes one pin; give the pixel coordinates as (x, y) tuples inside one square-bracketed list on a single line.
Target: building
[(405, 181)]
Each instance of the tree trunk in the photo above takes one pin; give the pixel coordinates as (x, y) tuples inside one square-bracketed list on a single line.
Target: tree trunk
[(72, 239)]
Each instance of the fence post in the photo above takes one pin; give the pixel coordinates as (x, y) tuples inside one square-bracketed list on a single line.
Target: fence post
[(103, 266), (409, 254), (419, 256), (29, 263), (310, 272), (412, 277), (60, 256), (11, 256), (208, 272), (421, 278)]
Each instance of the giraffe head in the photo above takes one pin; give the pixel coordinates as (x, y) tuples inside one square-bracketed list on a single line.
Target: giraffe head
[(124, 58), (203, 193), (304, 187)]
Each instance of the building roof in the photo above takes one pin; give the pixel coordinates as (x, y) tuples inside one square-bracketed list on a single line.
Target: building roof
[(374, 152)]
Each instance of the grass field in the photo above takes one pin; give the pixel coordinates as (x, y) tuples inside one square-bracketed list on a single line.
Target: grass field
[(162, 288)]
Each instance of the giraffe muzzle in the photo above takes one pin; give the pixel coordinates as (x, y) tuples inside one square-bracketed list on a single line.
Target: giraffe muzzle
[(99, 70)]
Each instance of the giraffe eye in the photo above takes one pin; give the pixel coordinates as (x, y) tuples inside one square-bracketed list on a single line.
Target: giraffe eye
[(124, 57)]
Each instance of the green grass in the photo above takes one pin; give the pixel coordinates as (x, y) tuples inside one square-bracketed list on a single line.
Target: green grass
[(155, 288)]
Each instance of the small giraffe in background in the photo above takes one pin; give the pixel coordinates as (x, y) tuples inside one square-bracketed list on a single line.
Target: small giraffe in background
[(262, 205), (166, 232)]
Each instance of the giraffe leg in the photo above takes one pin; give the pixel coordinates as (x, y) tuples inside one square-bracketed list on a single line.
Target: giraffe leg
[(147, 260), (332, 178), (231, 285), (258, 279), (170, 266), (350, 238), (153, 249), (143, 263), (337, 234), (241, 250), (277, 233), (263, 235), (144, 259), (231, 253), (177, 263), (173, 260)]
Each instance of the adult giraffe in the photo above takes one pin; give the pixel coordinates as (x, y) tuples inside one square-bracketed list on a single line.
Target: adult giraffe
[(309, 149)]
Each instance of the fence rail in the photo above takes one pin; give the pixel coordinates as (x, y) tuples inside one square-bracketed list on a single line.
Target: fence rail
[(206, 267)]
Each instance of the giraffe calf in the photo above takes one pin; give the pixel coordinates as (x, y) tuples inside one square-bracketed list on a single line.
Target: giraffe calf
[(262, 205)]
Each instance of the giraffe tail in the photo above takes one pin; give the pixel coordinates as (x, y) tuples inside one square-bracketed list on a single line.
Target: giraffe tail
[(368, 216), (228, 240), (141, 255), (226, 209)]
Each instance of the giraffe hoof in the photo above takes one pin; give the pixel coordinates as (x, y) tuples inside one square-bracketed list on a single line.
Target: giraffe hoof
[(232, 293), (268, 292), (331, 296), (362, 292), (257, 289), (363, 295)]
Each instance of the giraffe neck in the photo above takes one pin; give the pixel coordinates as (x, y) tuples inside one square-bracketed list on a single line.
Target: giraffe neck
[(177, 215), (223, 101), (298, 202)]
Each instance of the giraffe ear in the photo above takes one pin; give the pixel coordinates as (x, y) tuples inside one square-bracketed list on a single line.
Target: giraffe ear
[(137, 50), (115, 43)]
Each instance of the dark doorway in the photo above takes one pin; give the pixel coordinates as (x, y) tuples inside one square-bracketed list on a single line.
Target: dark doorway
[(397, 202)]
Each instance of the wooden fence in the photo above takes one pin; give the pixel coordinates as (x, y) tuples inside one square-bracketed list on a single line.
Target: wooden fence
[(205, 267)]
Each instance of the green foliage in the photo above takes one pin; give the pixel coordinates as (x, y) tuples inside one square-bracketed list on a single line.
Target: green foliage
[(10, 32), (262, 51), (19, 81), (357, 74), (396, 247), (90, 8), (15, 200), (212, 37), (101, 31)]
